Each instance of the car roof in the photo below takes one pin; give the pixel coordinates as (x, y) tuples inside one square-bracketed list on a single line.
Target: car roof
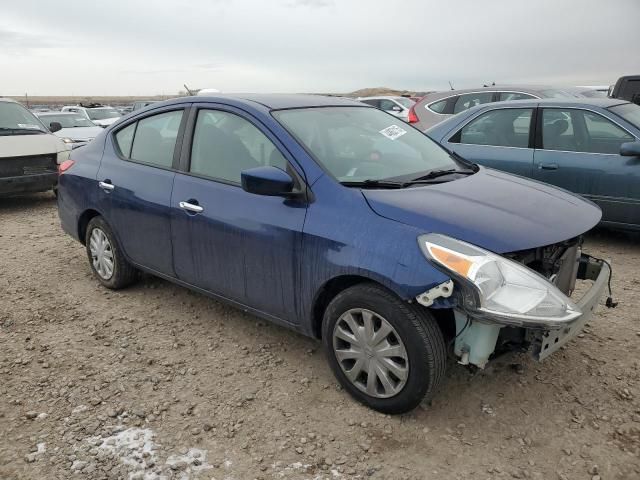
[(602, 102), (276, 101), (380, 97)]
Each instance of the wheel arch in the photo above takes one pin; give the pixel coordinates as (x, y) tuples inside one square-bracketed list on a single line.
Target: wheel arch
[(328, 292), (83, 222)]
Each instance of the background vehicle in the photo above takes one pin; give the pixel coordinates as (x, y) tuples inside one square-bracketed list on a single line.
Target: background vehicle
[(283, 205), (593, 91), (627, 88), (141, 104), (73, 128), (396, 106), (587, 146), (29, 153), (436, 107), (100, 115)]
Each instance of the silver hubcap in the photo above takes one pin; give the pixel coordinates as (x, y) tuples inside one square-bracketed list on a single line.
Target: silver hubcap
[(370, 353), (101, 254)]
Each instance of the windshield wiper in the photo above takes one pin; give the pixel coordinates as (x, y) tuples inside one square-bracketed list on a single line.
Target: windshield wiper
[(21, 130), (441, 173), (369, 183)]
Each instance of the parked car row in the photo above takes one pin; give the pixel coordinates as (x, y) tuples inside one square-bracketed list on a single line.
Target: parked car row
[(337, 220)]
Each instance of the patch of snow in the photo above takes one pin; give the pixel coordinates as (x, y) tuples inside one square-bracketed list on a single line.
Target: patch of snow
[(135, 448), (195, 460), (42, 447)]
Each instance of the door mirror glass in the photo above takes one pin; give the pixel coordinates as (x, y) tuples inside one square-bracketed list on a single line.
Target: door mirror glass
[(630, 149), (55, 127), (268, 180)]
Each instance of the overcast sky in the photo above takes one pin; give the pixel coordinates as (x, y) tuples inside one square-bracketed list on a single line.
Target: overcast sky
[(135, 47)]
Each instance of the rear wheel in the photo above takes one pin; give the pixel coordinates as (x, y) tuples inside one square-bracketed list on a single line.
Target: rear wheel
[(106, 258), (386, 353)]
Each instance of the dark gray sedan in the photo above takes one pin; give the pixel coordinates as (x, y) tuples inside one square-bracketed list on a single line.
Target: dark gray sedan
[(436, 107), (588, 146)]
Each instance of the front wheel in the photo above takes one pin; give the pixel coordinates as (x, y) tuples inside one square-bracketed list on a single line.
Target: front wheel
[(386, 353), (106, 258)]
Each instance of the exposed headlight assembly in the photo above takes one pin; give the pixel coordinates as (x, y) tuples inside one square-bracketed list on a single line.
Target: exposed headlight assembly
[(498, 288)]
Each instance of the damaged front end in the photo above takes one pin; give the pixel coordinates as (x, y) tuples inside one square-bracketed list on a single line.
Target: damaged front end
[(515, 301)]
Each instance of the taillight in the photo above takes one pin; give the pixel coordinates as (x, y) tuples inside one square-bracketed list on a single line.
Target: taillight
[(413, 118), (64, 166)]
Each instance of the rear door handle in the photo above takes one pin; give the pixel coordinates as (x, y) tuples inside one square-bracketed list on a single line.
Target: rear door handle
[(191, 207), (548, 166), (107, 186)]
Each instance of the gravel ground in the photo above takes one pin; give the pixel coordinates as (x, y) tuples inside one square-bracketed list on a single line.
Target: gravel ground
[(156, 382)]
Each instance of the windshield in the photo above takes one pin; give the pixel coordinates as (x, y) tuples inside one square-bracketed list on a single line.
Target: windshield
[(67, 121), (629, 111), (407, 102), (14, 116), (102, 113), (359, 143)]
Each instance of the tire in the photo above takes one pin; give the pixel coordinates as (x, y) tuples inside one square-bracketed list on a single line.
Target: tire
[(416, 339), (122, 273)]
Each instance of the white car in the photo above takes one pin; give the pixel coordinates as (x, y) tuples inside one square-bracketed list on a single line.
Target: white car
[(397, 106), (29, 153), (100, 115), (74, 128)]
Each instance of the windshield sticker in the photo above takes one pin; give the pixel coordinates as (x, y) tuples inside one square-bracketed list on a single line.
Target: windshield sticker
[(29, 126), (392, 132)]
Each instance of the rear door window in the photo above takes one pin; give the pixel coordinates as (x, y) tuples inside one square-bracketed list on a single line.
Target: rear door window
[(151, 140), (507, 127), (469, 100)]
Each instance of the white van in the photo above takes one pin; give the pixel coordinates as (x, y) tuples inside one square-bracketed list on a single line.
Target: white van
[(29, 153)]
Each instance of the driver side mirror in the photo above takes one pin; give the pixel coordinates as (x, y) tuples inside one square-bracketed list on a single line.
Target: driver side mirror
[(55, 127), (630, 149), (268, 180)]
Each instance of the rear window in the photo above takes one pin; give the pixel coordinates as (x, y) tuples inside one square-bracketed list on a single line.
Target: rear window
[(438, 107), (629, 111)]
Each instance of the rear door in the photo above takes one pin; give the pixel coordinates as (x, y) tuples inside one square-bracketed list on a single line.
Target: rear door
[(241, 246), (579, 150), (135, 181), (498, 138)]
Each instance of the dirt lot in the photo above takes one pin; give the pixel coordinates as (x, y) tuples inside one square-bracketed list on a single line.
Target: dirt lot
[(156, 382)]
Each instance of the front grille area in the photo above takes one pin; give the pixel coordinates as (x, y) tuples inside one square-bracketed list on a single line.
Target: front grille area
[(557, 262), (27, 165)]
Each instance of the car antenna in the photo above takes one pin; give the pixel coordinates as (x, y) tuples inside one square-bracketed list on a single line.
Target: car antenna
[(451, 85)]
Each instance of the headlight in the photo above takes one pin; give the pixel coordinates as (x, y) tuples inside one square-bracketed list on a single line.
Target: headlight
[(504, 289), (67, 140)]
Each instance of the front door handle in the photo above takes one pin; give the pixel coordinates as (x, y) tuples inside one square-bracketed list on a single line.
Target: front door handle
[(107, 186), (191, 207), (548, 166)]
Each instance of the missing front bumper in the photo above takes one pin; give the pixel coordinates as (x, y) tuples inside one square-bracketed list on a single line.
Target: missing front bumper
[(546, 342)]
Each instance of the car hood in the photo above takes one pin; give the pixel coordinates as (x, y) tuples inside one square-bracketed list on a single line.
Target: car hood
[(24, 145), (80, 133), (494, 210)]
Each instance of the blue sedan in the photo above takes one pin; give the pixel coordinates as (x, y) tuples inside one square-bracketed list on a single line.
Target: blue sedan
[(333, 218), (587, 146)]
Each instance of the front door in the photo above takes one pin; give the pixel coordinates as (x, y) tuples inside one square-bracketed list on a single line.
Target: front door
[(580, 151), (242, 246)]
